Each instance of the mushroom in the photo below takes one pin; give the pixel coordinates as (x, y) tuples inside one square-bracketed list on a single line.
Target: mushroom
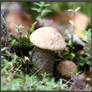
[(65, 67), (47, 40)]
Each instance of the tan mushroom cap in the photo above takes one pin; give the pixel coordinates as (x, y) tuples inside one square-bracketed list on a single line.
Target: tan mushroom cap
[(65, 67), (48, 38)]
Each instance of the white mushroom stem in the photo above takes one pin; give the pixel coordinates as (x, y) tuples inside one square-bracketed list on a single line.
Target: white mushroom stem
[(43, 59)]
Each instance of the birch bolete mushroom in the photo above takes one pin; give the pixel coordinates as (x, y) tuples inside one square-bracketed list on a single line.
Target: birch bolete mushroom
[(47, 40)]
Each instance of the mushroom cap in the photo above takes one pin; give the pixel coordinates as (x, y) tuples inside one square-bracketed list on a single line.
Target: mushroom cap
[(48, 38), (65, 67)]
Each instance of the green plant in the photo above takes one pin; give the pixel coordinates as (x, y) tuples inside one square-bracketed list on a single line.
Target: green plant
[(87, 33), (84, 61), (17, 69), (70, 53), (22, 44), (32, 28), (41, 9), (17, 29)]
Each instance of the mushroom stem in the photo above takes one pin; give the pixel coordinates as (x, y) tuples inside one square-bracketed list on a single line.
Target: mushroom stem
[(43, 59)]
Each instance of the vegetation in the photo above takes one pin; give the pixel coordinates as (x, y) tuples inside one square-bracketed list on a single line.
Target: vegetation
[(17, 69)]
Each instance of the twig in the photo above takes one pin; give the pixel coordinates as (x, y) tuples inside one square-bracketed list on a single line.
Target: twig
[(17, 69), (70, 80)]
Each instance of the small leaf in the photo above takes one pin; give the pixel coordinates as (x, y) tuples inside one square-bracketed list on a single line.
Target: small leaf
[(20, 31), (32, 28), (71, 22), (66, 31), (20, 26), (38, 18), (3, 49), (70, 10), (88, 62), (46, 5), (37, 9), (42, 3), (45, 11), (13, 42), (77, 9), (16, 29), (7, 52), (38, 4)]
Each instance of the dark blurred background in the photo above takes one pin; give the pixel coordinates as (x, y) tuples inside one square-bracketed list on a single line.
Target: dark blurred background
[(55, 7)]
